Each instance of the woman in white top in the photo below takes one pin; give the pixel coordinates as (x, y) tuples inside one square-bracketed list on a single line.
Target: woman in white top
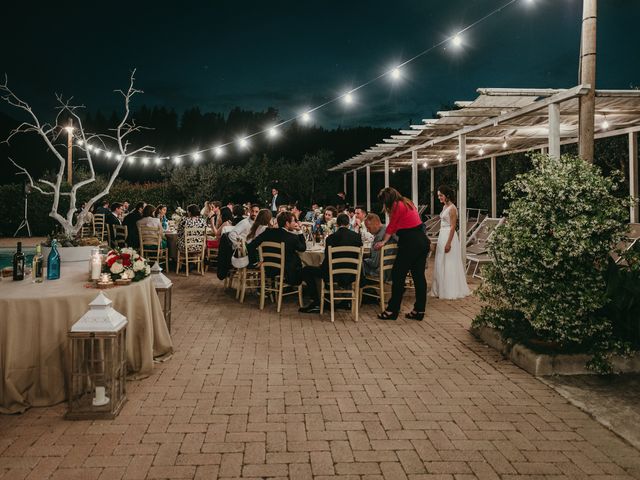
[(449, 277), (149, 220)]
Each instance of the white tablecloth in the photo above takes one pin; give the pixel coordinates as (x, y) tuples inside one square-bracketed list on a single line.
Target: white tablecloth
[(35, 319)]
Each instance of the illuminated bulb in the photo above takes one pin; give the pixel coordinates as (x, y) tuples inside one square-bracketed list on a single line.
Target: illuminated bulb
[(157, 161), (196, 156), (177, 160), (396, 73), (97, 151), (272, 132), (131, 159), (218, 151), (348, 98), (243, 142), (393, 170), (306, 117), (108, 154), (90, 148), (118, 157), (481, 152), (605, 124), (458, 157), (145, 160), (79, 143), (424, 164), (69, 129), (440, 160), (456, 40), (505, 144)]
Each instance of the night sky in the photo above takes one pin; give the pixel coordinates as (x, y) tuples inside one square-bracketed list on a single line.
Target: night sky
[(295, 54)]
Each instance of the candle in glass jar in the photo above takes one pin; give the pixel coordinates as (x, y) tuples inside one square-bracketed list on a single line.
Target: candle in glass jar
[(96, 265), (104, 278)]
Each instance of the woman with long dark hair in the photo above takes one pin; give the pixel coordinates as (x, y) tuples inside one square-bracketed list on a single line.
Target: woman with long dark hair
[(413, 249)]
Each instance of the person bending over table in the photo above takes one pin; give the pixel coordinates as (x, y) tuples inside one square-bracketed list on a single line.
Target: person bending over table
[(343, 237), (413, 248)]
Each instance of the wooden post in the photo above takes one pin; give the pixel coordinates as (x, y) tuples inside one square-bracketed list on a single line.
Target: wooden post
[(368, 170), (587, 105), (386, 183), (70, 153), (544, 150), (355, 188), (633, 176), (494, 201), (554, 130), (462, 196), (414, 177), (433, 191)]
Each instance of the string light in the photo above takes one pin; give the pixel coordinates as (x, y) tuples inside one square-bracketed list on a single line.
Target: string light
[(424, 165), (605, 123), (145, 160), (108, 154), (118, 157), (457, 40), (393, 170), (157, 160), (440, 159), (481, 151), (505, 144)]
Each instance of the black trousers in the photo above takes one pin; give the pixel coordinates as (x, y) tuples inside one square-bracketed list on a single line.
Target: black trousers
[(311, 276), (413, 249)]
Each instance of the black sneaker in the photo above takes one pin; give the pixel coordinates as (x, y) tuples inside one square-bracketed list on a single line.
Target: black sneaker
[(311, 308)]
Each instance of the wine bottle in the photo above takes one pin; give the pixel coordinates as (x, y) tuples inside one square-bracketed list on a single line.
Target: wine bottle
[(36, 266), (53, 262), (18, 263)]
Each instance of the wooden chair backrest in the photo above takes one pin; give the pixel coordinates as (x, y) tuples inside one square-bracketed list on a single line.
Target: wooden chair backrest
[(99, 225), (194, 239), (272, 256), (345, 261), (120, 234), (150, 236), (388, 254)]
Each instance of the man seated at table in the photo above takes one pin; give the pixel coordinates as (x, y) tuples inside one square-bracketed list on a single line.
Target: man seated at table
[(242, 229), (311, 214), (131, 221), (293, 243), (371, 264), (113, 217), (343, 237)]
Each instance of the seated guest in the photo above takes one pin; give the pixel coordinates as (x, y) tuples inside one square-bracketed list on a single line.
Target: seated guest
[(224, 226), (103, 208), (357, 222), (371, 264), (293, 243), (113, 217), (238, 214), (131, 221), (214, 214), (351, 212), (149, 220), (125, 207), (310, 216), (343, 237), (192, 220), (241, 230), (261, 223), (161, 214), (329, 214)]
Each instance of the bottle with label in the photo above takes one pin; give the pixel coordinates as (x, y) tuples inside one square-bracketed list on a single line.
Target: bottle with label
[(36, 266), (53, 262), (18, 263)]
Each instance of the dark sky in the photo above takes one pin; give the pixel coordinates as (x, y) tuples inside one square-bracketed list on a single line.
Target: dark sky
[(296, 54)]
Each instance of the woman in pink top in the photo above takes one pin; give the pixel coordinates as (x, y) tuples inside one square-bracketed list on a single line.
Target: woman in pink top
[(413, 249)]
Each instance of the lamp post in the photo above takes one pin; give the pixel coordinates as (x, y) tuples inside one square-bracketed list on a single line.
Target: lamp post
[(69, 130), (163, 285)]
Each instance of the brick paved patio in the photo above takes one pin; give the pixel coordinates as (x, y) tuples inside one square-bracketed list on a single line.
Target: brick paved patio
[(256, 394)]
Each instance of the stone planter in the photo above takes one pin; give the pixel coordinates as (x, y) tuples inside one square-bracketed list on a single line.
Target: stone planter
[(540, 364), (70, 254)]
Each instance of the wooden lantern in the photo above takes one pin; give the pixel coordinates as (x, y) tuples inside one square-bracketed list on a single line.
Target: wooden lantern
[(163, 286), (97, 383)]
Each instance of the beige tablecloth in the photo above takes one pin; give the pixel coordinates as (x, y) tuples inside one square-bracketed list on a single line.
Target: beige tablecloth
[(35, 319), (172, 244), (313, 256)]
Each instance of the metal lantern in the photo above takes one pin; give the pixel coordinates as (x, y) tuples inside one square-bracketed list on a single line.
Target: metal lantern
[(97, 387), (163, 285)]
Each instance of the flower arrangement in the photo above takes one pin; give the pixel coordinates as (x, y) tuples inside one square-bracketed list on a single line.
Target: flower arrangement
[(329, 227), (178, 214), (126, 264)]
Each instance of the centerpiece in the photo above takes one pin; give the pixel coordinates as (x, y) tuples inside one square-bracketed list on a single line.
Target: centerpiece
[(125, 265), (70, 247)]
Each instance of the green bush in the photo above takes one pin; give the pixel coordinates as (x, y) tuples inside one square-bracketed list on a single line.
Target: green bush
[(551, 257)]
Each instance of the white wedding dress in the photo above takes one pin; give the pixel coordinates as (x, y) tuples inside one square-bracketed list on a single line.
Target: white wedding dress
[(449, 277)]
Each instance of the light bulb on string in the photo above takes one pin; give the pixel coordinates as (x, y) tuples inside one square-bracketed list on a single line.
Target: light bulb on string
[(396, 73), (118, 157), (348, 98), (131, 159), (79, 143), (393, 170), (424, 165), (90, 147), (605, 123), (273, 132), (145, 160), (440, 159), (456, 40), (481, 151), (306, 117), (243, 142), (97, 151), (157, 160), (196, 156), (177, 160), (218, 151), (108, 154), (505, 144)]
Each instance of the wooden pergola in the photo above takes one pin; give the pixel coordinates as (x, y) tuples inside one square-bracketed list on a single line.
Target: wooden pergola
[(499, 122)]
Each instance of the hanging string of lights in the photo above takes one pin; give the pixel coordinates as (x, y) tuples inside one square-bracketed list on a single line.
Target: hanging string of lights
[(243, 142)]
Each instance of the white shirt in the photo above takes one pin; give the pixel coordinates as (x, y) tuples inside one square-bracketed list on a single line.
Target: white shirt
[(274, 207), (149, 222), (241, 230)]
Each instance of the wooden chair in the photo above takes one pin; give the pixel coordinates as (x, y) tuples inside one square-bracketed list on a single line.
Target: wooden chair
[(151, 245), (272, 255), (211, 256), (193, 251), (477, 245), (100, 226), (88, 229), (342, 261), (249, 278), (388, 255), (119, 235)]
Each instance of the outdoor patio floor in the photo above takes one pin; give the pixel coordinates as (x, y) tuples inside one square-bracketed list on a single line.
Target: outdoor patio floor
[(257, 394)]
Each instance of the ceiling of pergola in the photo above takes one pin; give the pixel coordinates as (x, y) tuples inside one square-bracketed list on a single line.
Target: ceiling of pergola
[(518, 117)]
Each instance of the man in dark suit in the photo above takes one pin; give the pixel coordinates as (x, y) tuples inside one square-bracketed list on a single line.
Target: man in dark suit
[(343, 237), (113, 217), (276, 201), (293, 243), (131, 220)]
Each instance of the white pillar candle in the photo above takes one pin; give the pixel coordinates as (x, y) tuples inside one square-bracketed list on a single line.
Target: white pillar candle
[(101, 397)]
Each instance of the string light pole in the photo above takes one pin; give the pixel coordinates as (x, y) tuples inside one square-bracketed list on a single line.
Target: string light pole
[(587, 105), (69, 130)]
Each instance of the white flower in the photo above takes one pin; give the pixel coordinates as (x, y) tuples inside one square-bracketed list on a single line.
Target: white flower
[(147, 270), (116, 268), (138, 265)]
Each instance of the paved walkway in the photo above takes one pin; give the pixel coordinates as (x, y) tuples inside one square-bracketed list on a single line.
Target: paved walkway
[(256, 394)]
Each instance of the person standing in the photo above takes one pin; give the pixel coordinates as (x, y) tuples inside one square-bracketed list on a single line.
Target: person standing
[(413, 248), (131, 221), (276, 201), (449, 277)]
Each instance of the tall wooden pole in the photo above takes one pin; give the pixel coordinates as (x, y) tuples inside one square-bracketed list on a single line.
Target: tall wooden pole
[(633, 176), (587, 106), (69, 130)]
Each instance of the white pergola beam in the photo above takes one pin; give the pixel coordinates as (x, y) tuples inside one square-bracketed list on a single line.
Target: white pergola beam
[(462, 196), (633, 176), (494, 203), (554, 130), (414, 177), (368, 170)]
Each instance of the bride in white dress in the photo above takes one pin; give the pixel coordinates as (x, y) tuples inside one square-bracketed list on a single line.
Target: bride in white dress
[(449, 277)]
